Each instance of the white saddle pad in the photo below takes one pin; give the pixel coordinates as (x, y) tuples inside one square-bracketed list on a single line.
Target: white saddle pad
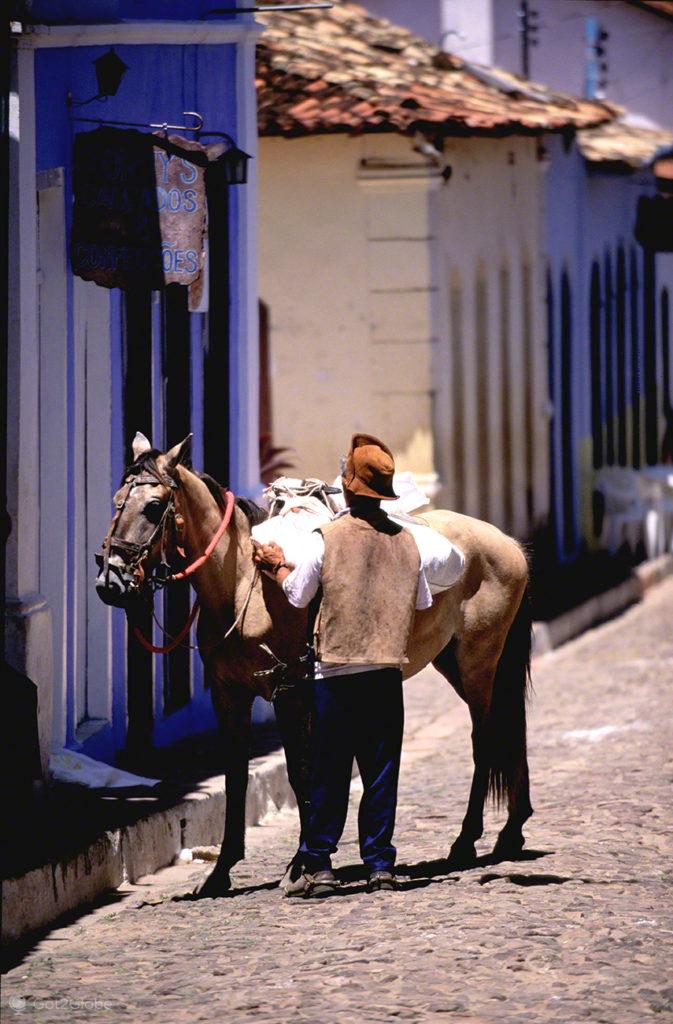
[(297, 511)]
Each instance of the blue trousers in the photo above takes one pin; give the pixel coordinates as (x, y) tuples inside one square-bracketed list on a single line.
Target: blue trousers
[(355, 716)]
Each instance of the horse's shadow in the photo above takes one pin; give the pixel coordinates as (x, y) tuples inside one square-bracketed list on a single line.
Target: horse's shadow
[(353, 877), (443, 869), (448, 866)]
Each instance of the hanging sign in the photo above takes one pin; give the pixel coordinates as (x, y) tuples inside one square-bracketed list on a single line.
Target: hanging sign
[(140, 209)]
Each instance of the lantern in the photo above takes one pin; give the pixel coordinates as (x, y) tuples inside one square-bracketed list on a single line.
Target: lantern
[(110, 69), (230, 168)]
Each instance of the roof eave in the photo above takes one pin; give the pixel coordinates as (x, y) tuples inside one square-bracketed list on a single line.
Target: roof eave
[(446, 129)]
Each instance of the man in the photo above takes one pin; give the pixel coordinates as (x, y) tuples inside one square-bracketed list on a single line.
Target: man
[(371, 580)]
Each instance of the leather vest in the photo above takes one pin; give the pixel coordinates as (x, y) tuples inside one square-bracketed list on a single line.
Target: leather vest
[(369, 584)]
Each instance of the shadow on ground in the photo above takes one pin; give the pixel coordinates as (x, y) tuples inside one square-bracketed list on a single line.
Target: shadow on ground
[(353, 877), (63, 820), (14, 954)]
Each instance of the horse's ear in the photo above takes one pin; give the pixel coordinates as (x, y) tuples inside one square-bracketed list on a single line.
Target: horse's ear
[(140, 445), (179, 454)]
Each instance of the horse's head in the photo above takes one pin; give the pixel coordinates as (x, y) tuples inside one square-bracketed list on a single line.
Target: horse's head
[(141, 536)]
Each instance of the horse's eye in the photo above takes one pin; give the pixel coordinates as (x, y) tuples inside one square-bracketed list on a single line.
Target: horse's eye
[(153, 511)]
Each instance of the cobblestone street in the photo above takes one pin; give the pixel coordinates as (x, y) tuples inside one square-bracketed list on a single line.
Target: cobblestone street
[(580, 929)]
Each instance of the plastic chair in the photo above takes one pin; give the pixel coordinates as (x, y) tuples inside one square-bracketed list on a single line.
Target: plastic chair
[(625, 506)]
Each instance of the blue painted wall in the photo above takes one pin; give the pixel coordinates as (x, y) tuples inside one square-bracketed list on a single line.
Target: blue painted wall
[(589, 215), (161, 83), (89, 12)]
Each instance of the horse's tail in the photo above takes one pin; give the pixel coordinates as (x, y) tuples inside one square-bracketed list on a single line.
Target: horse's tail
[(506, 722)]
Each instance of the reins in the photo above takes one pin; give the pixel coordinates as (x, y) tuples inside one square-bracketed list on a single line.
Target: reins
[(175, 641), (167, 648)]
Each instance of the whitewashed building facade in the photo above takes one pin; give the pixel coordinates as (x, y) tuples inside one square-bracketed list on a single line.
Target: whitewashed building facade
[(403, 269)]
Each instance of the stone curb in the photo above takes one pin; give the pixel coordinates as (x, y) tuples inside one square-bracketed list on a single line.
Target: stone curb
[(40, 897), (547, 636)]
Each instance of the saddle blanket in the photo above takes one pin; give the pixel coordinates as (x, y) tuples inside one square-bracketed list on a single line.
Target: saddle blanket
[(297, 507)]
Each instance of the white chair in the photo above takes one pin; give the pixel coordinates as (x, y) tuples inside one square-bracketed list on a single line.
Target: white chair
[(625, 509), (656, 487)]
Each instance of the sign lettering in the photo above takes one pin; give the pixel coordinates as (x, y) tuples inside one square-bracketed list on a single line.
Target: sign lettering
[(140, 208)]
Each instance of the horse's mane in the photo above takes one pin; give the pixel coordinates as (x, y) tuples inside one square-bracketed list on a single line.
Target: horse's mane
[(253, 512)]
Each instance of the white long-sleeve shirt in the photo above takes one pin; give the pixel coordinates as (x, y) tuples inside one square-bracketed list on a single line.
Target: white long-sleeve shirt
[(441, 565)]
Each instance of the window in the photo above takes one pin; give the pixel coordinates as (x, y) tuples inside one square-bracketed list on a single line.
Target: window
[(667, 392), (551, 350), (620, 337), (609, 363), (636, 388), (566, 417), (650, 360), (596, 366), (458, 385), (505, 405), (529, 379), (483, 427)]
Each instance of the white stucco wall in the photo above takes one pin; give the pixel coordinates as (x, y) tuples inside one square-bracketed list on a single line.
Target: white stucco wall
[(355, 266), (449, 24), (490, 216), (423, 18), (344, 357), (639, 48)]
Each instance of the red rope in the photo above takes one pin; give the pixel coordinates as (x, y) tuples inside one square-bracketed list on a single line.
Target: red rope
[(226, 519), (176, 640)]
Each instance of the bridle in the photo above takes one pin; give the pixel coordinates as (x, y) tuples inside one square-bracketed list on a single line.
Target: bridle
[(147, 477), (140, 551)]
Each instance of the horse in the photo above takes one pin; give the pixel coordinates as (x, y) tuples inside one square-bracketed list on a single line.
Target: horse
[(477, 634)]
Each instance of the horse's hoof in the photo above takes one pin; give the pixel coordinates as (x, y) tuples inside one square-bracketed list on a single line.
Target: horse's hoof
[(218, 883), (508, 847), (463, 854)]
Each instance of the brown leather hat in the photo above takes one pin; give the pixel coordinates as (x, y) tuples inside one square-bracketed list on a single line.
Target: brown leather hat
[(369, 468)]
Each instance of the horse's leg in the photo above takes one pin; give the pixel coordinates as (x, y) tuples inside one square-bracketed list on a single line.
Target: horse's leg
[(508, 718), (234, 713), (497, 688), (490, 672), (463, 852), (292, 709), (511, 840)]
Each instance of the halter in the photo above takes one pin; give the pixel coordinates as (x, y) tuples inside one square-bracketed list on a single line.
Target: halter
[(111, 543), (147, 478)]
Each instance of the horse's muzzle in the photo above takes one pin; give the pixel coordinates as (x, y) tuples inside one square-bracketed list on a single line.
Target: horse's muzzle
[(116, 587)]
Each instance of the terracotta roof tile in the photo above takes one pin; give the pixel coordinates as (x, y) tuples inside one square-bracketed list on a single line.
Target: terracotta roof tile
[(663, 7), (346, 70), (625, 142)]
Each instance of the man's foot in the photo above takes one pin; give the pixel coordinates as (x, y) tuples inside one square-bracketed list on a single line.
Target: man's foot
[(316, 886), (380, 881)]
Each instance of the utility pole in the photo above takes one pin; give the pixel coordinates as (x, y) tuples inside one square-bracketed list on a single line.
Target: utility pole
[(528, 30)]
